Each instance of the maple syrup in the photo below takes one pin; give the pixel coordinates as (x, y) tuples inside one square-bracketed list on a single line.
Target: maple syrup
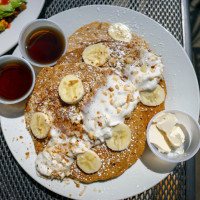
[(45, 45), (15, 80)]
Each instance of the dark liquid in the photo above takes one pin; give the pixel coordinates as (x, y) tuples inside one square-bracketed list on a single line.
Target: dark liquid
[(15, 80), (45, 46)]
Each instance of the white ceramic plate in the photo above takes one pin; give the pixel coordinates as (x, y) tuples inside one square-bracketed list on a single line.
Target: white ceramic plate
[(183, 94), (9, 37)]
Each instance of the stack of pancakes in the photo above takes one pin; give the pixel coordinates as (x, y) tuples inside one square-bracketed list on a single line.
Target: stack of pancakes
[(45, 98)]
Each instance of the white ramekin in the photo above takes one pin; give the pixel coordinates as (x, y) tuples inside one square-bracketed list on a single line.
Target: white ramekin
[(28, 29), (192, 140)]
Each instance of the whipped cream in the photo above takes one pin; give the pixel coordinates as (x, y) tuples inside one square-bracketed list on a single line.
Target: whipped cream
[(146, 72), (58, 156), (109, 106)]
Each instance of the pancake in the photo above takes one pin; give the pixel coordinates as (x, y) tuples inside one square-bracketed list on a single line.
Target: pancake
[(122, 53), (45, 98), (96, 32)]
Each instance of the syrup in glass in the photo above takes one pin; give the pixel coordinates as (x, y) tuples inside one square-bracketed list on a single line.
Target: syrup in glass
[(45, 45), (15, 80)]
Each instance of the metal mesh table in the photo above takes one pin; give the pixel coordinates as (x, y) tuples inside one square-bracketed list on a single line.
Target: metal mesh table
[(16, 184)]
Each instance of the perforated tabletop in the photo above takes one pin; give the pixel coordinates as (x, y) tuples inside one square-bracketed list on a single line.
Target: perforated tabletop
[(16, 184)]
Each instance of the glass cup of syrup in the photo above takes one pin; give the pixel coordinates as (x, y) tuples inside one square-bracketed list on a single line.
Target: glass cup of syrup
[(42, 42), (17, 79)]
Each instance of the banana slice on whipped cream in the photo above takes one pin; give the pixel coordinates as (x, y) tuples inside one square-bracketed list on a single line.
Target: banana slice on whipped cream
[(96, 54), (120, 32), (153, 97), (121, 137), (40, 125), (71, 89), (89, 162)]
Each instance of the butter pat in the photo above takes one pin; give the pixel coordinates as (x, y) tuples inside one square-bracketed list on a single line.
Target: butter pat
[(176, 137), (166, 134), (166, 122), (158, 140), (179, 151)]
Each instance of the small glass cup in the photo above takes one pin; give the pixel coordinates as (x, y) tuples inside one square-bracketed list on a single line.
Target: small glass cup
[(192, 137), (29, 30), (4, 60)]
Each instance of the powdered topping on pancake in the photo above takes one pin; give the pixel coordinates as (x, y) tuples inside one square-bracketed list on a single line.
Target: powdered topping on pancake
[(89, 34), (96, 32), (120, 53)]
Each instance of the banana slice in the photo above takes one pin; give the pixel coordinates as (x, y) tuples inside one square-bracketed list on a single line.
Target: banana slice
[(120, 32), (96, 55), (71, 89), (121, 137), (89, 162), (40, 125), (154, 97)]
